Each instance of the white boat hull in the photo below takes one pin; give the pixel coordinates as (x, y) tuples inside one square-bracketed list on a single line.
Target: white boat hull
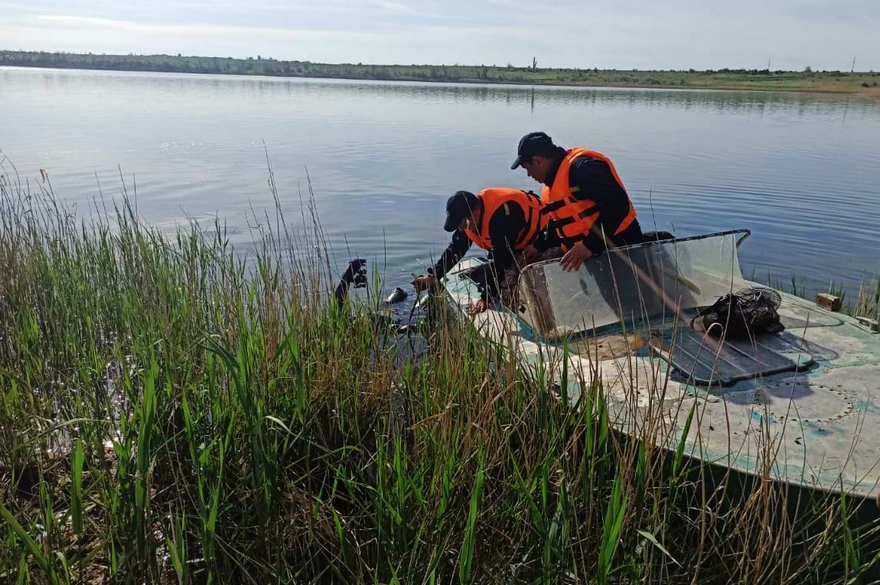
[(810, 426)]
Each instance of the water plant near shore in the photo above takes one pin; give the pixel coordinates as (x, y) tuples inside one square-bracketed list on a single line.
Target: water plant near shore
[(174, 412)]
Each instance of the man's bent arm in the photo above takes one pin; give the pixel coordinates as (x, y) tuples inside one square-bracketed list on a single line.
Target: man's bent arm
[(592, 179), (454, 252)]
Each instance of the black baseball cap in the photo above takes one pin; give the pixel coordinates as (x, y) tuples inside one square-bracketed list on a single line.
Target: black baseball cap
[(533, 144), (459, 206)]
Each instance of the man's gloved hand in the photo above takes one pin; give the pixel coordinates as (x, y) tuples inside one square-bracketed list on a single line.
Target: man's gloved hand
[(424, 283), (575, 257)]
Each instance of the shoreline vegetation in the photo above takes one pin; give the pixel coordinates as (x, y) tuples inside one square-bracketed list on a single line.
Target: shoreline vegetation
[(856, 83), (173, 414)]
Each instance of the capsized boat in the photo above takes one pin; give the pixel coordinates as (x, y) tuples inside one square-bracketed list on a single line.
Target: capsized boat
[(803, 402)]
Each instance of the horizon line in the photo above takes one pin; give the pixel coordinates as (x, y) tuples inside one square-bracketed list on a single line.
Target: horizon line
[(506, 66)]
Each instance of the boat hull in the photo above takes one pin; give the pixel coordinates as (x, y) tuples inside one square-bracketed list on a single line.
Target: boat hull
[(809, 426)]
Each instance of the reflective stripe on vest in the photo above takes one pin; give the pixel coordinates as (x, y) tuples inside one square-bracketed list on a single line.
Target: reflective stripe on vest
[(574, 218), (498, 198)]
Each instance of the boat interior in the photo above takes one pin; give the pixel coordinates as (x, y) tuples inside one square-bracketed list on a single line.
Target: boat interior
[(643, 299)]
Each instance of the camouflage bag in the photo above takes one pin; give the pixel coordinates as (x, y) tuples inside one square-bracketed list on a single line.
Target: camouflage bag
[(742, 314)]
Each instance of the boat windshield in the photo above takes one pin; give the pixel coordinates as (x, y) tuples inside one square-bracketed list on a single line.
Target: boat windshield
[(639, 284)]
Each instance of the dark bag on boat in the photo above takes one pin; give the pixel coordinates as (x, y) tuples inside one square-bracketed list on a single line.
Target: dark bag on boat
[(742, 314)]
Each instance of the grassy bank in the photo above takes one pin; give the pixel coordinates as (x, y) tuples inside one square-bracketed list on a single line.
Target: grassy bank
[(867, 84), (171, 414)]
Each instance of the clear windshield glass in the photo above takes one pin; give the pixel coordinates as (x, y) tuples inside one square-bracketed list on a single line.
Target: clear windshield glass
[(635, 283)]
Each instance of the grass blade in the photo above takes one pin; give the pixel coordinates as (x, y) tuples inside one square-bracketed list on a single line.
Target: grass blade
[(76, 487), (467, 548), (653, 540), (25, 538)]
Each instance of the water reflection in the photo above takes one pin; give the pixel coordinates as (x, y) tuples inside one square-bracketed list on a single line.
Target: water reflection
[(800, 170), (803, 103)]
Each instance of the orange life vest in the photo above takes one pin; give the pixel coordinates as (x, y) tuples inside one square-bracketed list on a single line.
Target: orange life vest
[(572, 218), (497, 198)]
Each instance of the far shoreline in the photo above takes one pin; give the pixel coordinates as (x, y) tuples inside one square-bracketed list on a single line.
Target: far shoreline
[(865, 85)]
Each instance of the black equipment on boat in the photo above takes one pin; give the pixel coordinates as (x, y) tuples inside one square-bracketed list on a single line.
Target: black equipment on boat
[(355, 275), (742, 314)]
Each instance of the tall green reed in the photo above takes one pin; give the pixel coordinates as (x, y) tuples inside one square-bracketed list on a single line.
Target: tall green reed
[(173, 411)]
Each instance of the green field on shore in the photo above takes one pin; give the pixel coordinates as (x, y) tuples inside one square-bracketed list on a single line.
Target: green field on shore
[(863, 83), (173, 412)]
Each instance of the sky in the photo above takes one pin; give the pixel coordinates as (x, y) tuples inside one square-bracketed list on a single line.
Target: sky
[(624, 34)]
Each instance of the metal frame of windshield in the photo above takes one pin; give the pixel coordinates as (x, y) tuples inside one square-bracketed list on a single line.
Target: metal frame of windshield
[(624, 323), (745, 234)]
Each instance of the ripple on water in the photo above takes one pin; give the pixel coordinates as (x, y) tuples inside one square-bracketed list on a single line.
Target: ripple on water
[(799, 170)]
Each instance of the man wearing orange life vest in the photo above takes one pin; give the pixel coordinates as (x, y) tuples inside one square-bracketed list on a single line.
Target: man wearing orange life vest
[(587, 204), (501, 220)]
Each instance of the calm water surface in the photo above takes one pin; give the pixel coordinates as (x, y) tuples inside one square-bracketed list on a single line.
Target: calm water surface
[(801, 171)]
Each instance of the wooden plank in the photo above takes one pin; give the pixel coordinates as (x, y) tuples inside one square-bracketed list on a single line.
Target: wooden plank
[(828, 301)]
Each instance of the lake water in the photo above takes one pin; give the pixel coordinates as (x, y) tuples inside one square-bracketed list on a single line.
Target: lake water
[(801, 171)]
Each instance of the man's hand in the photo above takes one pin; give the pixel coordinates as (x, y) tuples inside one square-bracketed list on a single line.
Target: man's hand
[(575, 257), (477, 307), (424, 283), (528, 255)]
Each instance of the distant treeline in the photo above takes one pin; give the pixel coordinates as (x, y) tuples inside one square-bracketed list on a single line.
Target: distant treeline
[(722, 78)]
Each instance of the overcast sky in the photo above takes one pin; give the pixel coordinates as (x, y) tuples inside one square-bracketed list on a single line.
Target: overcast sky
[(644, 34)]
